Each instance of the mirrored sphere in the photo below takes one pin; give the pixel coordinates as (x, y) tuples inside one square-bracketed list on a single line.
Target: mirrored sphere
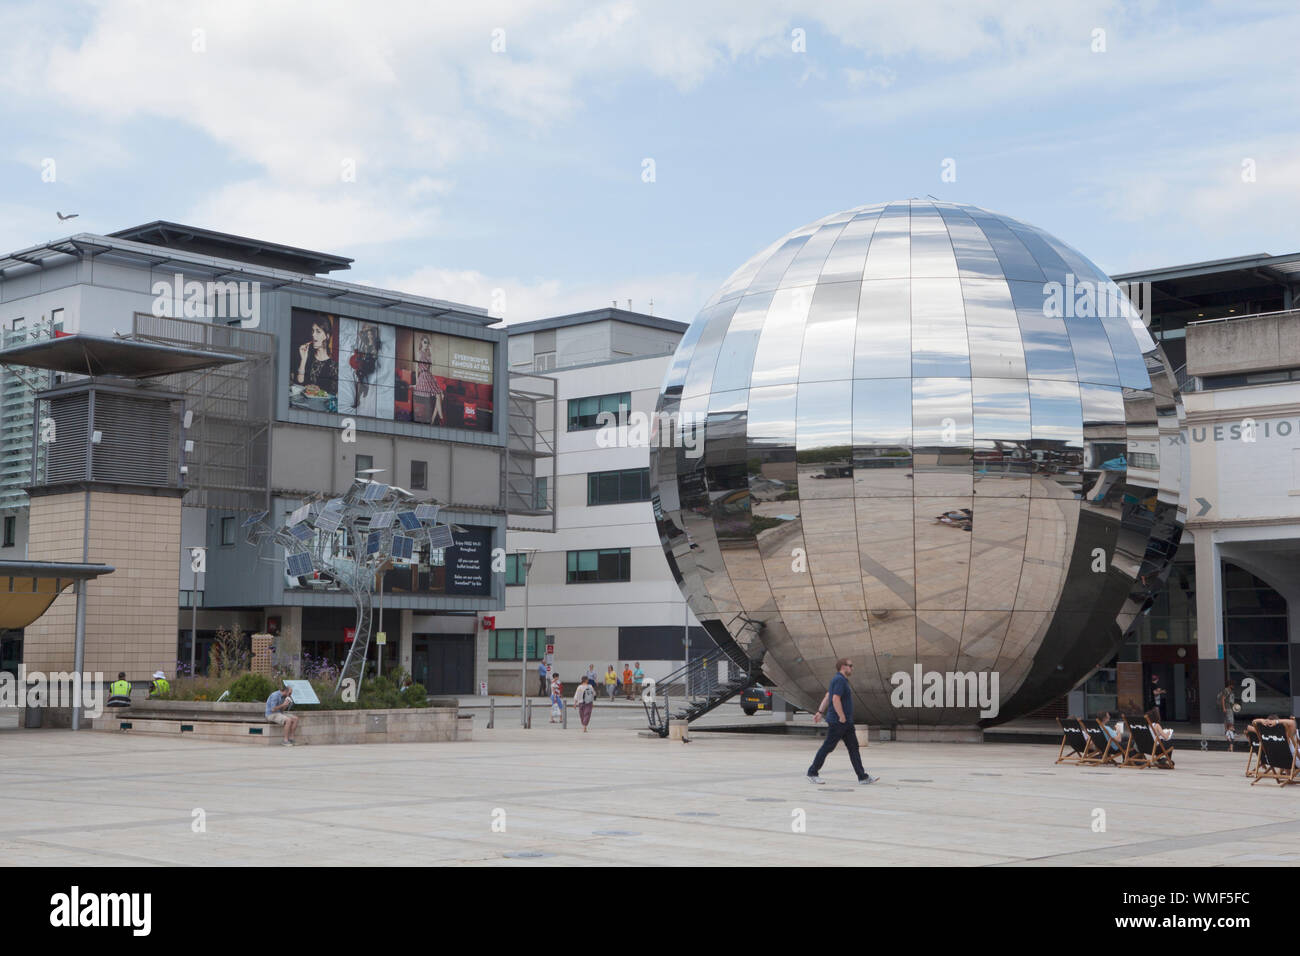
[(929, 438)]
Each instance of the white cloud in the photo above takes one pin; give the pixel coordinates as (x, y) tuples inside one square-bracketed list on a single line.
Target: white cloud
[(675, 296)]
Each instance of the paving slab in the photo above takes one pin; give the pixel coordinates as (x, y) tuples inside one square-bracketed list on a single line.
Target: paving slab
[(723, 799)]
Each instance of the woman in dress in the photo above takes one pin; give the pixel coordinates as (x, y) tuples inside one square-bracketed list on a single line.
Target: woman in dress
[(316, 364), (364, 361), (557, 699), (425, 383), (583, 698)]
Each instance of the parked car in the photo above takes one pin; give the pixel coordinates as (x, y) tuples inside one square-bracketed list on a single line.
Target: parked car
[(755, 698)]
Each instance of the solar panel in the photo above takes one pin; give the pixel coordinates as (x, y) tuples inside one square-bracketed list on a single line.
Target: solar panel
[(302, 531), (440, 537), (403, 547), (426, 512), (372, 542), (382, 520), (298, 563), (329, 520), (374, 491), (254, 519), (299, 514), (409, 521), (334, 504)]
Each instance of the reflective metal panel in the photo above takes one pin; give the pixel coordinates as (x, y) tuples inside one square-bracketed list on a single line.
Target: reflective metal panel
[(925, 423)]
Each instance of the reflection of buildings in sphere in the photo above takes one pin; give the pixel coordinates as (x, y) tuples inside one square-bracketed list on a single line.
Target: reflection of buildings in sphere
[(870, 384)]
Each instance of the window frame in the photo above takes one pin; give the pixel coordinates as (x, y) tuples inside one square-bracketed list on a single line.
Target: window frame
[(621, 557), (619, 477), (536, 639), (228, 521), (580, 421), (423, 483)]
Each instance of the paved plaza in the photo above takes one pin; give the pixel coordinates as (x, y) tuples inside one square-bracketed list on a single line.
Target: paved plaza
[(613, 797)]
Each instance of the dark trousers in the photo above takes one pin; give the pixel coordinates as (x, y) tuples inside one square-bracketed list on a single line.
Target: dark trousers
[(834, 734), (542, 689)]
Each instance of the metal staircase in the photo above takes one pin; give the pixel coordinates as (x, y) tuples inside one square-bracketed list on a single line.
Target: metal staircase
[(698, 686)]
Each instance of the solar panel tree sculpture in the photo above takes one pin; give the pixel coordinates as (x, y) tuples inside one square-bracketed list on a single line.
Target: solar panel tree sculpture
[(347, 543)]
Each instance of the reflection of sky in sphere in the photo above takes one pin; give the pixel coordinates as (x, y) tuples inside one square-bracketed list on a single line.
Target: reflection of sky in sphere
[(900, 393)]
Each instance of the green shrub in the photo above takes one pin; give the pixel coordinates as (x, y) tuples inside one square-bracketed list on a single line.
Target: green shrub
[(252, 688), (416, 696)]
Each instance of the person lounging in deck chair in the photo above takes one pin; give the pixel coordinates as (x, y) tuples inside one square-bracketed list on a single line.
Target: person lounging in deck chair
[(1105, 741), (1148, 744)]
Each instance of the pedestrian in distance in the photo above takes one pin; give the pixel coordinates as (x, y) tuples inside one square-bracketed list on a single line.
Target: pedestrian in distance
[(583, 698), (611, 682), (1228, 704), (638, 675), (160, 686), (1158, 695), (543, 679), (837, 708), (627, 679), (591, 675), (557, 699)]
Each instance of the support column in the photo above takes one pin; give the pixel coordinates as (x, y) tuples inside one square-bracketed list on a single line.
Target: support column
[(1212, 670)]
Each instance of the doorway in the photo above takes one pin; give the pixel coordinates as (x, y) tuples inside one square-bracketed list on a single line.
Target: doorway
[(443, 663)]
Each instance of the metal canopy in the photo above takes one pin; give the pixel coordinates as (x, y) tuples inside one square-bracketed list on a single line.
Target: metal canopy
[(28, 588), (125, 358)]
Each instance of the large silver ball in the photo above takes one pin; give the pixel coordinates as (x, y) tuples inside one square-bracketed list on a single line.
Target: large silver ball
[(919, 433)]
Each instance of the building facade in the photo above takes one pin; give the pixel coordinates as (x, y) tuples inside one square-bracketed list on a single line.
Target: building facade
[(599, 590), (339, 380)]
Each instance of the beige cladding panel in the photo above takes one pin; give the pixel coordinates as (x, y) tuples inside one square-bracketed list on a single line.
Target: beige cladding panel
[(131, 613)]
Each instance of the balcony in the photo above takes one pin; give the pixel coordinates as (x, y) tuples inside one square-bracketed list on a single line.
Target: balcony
[(1238, 345)]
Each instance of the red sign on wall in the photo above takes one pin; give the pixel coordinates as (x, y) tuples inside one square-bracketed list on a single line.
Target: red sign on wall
[(349, 634), (490, 623)]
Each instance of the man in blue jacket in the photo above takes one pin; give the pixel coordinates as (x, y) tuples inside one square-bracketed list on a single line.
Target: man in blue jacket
[(837, 708)]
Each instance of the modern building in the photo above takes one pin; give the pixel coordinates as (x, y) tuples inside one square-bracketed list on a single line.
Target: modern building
[(335, 379), (1232, 329), (599, 589)]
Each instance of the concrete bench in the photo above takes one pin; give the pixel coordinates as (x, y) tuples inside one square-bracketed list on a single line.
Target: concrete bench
[(228, 729)]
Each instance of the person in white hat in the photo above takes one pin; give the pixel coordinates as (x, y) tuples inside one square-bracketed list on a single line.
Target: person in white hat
[(160, 688)]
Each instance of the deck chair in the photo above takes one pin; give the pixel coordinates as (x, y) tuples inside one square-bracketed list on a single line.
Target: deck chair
[(1100, 751), (1074, 737), (1251, 736), (1277, 760), (1145, 749)]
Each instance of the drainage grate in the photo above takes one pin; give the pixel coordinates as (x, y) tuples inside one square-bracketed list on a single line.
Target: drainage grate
[(526, 855)]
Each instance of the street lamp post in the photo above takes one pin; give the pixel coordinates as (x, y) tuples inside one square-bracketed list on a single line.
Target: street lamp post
[(527, 554)]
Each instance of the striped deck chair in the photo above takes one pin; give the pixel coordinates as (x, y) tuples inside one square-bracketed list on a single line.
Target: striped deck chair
[(1277, 752), (1074, 737), (1100, 749), (1145, 749)]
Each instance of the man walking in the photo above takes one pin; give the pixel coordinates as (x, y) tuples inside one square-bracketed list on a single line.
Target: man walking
[(837, 708), (627, 679), (543, 679), (1158, 695)]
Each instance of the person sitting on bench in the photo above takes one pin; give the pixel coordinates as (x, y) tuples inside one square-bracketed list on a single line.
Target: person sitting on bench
[(119, 691), (277, 706)]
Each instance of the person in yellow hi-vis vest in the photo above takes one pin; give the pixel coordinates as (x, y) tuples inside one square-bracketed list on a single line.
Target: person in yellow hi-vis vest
[(119, 692), (160, 685)]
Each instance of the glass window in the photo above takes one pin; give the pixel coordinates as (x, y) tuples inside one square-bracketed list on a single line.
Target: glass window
[(419, 476), (606, 564), (541, 496), (364, 463), (617, 487), (227, 531), (10, 525), (504, 644), (516, 571), (584, 413)]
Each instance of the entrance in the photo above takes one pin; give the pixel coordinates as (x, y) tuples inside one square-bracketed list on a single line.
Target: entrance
[(443, 663)]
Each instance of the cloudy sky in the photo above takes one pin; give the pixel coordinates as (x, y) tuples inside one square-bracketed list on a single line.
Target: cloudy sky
[(572, 153)]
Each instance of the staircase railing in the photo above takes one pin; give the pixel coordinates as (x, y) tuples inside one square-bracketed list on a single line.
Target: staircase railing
[(700, 685)]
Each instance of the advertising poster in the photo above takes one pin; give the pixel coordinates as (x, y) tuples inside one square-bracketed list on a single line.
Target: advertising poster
[(469, 562), (367, 352), (369, 369), (444, 380), (313, 361)]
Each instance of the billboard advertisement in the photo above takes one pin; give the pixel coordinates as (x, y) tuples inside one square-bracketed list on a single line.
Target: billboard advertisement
[(351, 367)]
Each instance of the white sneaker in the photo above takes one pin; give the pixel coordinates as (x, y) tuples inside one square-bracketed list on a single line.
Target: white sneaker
[(286, 743), (814, 779)]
